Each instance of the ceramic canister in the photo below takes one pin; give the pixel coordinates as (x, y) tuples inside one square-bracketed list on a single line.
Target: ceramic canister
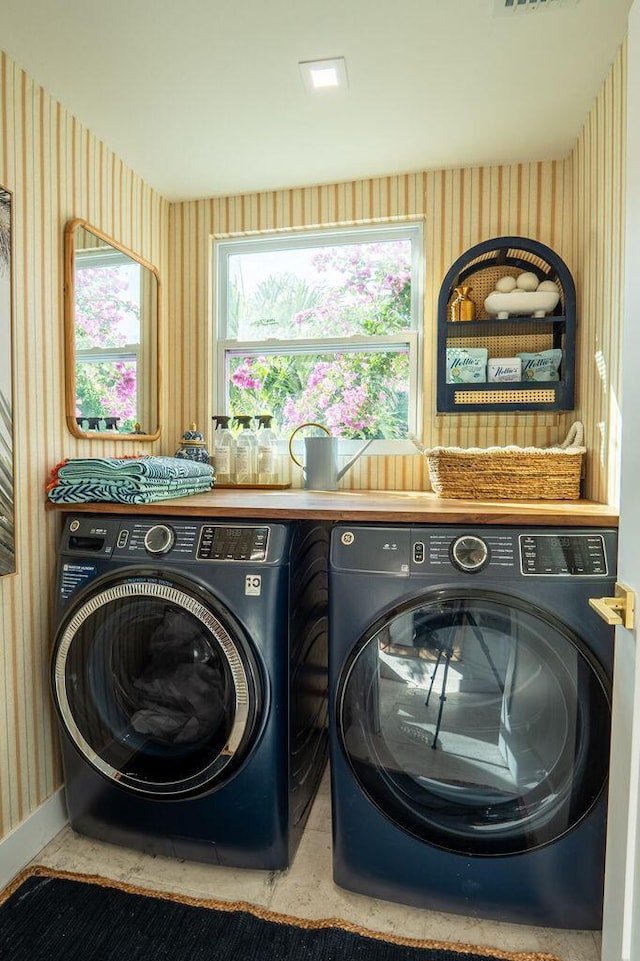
[(193, 446)]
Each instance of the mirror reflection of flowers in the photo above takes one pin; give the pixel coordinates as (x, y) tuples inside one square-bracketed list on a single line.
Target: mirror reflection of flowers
[(106, 316), (7, 534), (5, 230)]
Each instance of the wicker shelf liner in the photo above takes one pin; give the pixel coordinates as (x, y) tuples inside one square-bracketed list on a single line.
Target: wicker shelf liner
[(504, 345), (524, 396), (508, 473)]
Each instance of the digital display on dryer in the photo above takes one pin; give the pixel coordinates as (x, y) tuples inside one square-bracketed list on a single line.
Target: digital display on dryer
[(233, 543), (557, 554)]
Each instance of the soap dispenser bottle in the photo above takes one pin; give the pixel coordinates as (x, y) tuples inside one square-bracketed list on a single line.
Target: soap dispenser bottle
[(246, 451), (268, 460), (223, 450)]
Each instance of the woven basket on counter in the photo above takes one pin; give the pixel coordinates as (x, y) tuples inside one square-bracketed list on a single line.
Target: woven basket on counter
[(508, 473)]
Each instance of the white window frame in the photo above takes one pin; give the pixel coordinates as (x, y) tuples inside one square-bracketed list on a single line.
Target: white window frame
[(96, 355), (411, 338)]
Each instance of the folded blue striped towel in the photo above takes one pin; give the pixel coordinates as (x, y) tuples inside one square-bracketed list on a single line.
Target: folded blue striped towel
[(95, 490), (141, 484), (127, 480), (112, 468)]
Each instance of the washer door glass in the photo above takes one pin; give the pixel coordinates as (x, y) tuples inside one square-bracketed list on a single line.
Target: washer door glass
[(476, 722), (155, 689)]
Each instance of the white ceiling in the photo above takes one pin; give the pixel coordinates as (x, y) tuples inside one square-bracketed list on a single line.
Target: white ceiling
[(204, 97)]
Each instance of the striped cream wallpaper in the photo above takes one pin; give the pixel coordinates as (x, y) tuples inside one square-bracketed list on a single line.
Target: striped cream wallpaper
[(57, 170), (598, 162)]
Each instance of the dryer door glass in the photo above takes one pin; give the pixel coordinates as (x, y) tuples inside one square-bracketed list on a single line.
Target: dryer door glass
[(476, 722), (154, 688)]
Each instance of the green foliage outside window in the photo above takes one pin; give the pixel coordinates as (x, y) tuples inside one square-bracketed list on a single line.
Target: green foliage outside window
[(360, 392)]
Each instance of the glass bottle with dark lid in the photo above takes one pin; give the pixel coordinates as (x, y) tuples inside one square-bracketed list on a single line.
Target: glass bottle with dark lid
[(268, 460), (223, 450), (246, 451)]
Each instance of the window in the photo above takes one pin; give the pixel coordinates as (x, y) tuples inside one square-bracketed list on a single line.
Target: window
[(107, 324), (322, 327)]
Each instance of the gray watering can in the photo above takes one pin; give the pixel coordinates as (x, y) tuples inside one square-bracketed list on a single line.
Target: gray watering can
[(321, 460)]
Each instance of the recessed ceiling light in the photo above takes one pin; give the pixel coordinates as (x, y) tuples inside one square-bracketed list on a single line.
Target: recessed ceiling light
[(324, 74)]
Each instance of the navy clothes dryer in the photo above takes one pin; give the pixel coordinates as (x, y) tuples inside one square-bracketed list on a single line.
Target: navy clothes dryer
[(469, 686), (190, 680)]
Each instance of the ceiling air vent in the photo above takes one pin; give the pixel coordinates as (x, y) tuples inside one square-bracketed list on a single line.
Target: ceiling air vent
[(502, 8)]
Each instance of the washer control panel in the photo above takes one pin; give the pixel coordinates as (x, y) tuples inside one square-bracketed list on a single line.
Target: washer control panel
[(199, 541), (137, 539), (159, 539), (232, 543), (172, 538)]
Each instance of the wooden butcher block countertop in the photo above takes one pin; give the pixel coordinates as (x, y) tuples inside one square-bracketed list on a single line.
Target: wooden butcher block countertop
[(414, 507)]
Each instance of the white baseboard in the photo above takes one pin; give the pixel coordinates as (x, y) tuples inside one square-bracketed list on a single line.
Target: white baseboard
[(23, 843)]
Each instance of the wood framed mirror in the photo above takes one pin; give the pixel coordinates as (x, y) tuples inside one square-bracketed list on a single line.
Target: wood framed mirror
[(112, 338)]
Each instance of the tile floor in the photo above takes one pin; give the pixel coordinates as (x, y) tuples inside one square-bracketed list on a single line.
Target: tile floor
[(307, 890)]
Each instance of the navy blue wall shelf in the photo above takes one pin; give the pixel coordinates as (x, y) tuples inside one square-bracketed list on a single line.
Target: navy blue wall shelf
[(558, 328)]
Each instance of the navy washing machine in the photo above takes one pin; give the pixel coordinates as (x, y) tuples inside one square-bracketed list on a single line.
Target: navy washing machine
[(470, 710), (189, 676)]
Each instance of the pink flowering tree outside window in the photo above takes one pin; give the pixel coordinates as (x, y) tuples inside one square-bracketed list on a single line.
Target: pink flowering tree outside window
[(349, 291)]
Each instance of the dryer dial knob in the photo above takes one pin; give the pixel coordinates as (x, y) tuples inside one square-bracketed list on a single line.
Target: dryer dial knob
[(469, 553), (159, 539)]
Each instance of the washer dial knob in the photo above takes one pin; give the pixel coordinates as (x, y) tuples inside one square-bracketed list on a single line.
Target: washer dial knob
[(159, 539), (469, 553)]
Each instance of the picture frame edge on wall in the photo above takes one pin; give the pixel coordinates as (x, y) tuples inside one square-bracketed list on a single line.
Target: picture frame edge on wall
[(7, 458)]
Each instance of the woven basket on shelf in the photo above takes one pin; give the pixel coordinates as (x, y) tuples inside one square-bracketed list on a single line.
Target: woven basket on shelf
[(509, 473)]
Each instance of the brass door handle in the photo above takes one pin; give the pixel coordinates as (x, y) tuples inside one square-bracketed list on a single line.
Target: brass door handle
[(620, 609)]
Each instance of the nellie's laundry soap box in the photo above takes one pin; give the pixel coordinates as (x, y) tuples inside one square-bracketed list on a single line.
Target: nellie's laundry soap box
[(541, 366), (467, 365), (503, 369)]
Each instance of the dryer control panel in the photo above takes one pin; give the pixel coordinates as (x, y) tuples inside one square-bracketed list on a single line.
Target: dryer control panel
[(555, 554), (482, 552), (468, 551)]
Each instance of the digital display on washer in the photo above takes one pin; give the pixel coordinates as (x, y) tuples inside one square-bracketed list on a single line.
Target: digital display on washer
[(232, 543), (577, 554)]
